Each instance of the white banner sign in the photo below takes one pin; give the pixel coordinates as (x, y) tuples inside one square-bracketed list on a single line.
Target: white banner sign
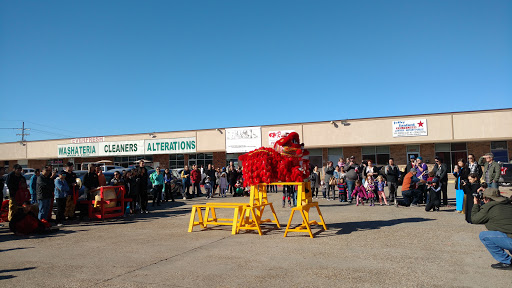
[(170, 146), (410, 128), (242, 140), (273, 136), (87, 140)]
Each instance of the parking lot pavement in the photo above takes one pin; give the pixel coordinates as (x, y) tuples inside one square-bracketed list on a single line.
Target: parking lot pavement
[(363, 247)]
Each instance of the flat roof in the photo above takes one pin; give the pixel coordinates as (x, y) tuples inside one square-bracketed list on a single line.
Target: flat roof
[(282, 124)]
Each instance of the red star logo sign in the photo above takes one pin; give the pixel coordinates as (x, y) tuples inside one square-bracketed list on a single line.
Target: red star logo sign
[(420, 124)]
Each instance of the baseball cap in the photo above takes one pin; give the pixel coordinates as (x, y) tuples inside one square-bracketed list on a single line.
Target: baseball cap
[(412, 157), (494, 194), (352, 157), (420, 158)]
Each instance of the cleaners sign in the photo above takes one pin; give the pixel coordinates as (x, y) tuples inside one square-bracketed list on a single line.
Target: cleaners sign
[(126, 148), (408, 128)]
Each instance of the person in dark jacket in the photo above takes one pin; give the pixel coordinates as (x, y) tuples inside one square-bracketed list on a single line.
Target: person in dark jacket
[(473, 166), (45, 190), (496, 214), (470, 188), (71, 181), (232, 178), (142, 185), (351, 175), (392, 175), (210, 172), (441, 173), (91, 181), (13, 183)]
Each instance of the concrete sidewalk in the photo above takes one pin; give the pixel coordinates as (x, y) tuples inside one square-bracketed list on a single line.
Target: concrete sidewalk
[(364, 247)]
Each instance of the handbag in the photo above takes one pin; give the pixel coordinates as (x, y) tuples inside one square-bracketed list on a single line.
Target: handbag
[(332, 181)]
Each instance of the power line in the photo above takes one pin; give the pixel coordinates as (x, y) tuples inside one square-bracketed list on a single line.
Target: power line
[(23, 134), (51, 127)]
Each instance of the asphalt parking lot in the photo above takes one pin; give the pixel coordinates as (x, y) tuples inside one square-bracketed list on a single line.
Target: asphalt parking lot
[(363, 247)]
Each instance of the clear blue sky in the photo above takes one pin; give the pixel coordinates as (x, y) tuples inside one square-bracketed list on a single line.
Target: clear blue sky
[(93, 68)]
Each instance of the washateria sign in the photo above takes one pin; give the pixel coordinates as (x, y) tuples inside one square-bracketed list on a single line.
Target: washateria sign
[(242, 140), (410, 128), (126, 148)]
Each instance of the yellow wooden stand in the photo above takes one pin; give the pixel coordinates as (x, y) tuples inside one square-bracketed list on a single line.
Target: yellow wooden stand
[(304, 204), (210, 209), (252, 213)]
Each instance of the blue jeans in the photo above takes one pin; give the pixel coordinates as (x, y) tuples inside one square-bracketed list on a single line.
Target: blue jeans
[(350, 189), (410, 197), (44, 208), (492, 185), (496, 242)]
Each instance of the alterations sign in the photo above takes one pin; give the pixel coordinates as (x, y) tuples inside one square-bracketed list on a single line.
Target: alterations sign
[(410, 128), (170, 146), (242, 140)]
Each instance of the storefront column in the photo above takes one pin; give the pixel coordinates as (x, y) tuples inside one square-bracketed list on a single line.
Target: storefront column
[(162, 159), (479, 148), (219, 159)]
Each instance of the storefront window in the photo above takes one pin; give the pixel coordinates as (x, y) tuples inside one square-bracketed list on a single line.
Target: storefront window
[(500, 151), (126, 161), (315, 158), (335, 154), (176, 161), (377, 154), (451, 153), (201, 159)]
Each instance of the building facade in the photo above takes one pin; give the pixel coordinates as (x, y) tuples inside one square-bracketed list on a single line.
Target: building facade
[(448, 135)]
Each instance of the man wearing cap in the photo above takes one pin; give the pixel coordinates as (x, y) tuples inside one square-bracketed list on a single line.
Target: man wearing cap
[(412, 163), (492, 170), (45, 192), (410, 194), (441, 173), (351, 175), (496, 214)]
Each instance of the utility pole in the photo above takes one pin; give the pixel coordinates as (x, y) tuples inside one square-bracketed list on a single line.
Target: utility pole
[(23, 134)]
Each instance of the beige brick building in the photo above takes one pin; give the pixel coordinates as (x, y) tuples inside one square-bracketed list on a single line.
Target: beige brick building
[(449, 135)]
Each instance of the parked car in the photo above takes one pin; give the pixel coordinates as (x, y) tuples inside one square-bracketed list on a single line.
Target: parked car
[(506, 174), (29, 170)]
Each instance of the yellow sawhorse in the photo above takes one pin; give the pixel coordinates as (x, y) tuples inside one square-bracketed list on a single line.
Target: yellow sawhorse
[(253, 213), (210, 208), (304, 204)]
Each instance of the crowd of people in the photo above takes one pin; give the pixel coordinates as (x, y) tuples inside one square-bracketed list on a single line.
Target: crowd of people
[(476, 183)]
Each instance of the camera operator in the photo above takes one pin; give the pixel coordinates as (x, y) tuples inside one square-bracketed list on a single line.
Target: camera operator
[(496, 214), (471, 190)]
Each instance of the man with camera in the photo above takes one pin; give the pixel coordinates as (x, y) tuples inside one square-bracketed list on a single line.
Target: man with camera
[(496, 214)]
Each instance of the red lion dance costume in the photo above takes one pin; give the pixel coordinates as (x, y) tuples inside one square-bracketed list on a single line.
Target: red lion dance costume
[(284, 163)]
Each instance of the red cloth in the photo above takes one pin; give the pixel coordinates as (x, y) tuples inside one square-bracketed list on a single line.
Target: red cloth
[(195, 175)]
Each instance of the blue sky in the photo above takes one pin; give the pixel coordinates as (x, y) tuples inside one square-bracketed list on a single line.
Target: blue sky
[(94, 68)]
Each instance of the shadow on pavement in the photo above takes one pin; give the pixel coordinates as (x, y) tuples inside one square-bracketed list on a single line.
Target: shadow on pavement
[(349, 227), (4, 277), (18, 248)]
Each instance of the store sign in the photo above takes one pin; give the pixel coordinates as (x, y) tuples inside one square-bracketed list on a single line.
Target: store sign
[(126, 148), (170, 146), (78, 150), (273, 136), (410, 128), (121, 148), (242, 140), (87, 140)]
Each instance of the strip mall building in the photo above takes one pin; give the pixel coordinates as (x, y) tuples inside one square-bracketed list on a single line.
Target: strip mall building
[(448, 135)]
